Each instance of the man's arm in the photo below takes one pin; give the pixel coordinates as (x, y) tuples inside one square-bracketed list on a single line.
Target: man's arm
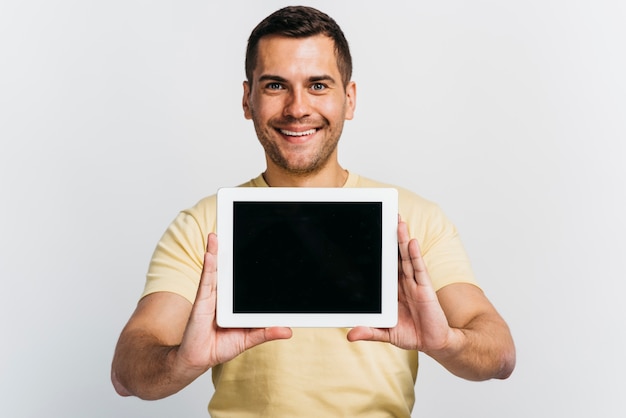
[(143, 363), (457, 326), (168, 343), (485, 348)]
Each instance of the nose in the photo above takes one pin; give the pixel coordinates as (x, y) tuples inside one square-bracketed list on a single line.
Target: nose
[(298, 104)]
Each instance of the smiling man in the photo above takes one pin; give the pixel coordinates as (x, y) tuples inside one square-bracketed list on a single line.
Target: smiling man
[(298, 93), (298, 102)]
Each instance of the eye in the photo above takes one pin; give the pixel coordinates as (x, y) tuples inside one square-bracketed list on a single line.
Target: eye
[(274, 86), (318, 87)]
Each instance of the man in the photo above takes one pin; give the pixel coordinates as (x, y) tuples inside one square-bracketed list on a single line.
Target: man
[(298, 94)]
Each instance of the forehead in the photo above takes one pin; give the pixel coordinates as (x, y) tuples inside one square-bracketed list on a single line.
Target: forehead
[(285, 56)]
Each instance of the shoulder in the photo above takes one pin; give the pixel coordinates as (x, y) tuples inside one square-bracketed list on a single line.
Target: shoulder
[(426, 220), (203, 212), (408, 200), (438, 237)]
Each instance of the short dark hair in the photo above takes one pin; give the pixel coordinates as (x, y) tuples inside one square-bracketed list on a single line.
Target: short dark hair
[(300, 22)]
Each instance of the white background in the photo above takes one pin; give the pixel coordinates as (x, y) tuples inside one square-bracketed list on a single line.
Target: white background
[(510, 114)]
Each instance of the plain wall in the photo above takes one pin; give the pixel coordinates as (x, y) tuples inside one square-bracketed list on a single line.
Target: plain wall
[(510, 114)]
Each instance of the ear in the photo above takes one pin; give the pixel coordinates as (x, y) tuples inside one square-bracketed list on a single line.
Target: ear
[(246, 100), (350, 100)]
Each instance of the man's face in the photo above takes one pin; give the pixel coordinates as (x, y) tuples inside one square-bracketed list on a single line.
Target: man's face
[(298, 103)]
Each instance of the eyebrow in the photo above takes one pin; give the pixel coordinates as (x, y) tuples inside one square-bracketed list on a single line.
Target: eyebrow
[(312, 79), (270, 77), (324, 77)]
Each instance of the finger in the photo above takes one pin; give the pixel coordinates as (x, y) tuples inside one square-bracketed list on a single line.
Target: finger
[(420, 273), (209, 269), (208, 279), (405, 266), (261, 335), (211, 245), (369, 334), (200, 331)]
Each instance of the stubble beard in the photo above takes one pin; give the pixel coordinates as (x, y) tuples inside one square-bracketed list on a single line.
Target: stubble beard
[(302, 165)]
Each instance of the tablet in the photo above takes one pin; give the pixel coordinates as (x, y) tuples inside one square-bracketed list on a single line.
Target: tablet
[(307, 257)]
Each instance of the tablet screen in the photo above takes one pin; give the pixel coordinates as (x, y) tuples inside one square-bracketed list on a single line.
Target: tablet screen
[(307, 257)]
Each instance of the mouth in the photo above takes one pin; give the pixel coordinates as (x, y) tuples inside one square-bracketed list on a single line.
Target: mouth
[(297, 134), (297, 137)]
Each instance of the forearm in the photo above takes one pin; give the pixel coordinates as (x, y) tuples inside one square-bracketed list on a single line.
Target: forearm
[(481, 350), (146, 368)]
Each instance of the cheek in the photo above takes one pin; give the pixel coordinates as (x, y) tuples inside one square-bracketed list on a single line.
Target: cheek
[(334, 112), (265, 108), (333, 109)]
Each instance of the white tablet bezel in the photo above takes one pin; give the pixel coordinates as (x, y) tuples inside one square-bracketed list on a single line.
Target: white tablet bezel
[(389, 263)]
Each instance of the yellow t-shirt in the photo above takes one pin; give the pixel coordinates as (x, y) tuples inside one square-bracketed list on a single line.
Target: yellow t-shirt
[(318, 372)]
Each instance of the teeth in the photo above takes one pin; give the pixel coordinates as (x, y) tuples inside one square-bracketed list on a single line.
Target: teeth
[(303, 133)]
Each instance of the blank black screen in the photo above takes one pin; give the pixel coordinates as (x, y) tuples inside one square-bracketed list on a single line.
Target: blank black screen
[(307, 257)]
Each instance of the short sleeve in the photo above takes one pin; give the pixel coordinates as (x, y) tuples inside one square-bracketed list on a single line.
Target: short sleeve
[(177, 260), (443, 252)]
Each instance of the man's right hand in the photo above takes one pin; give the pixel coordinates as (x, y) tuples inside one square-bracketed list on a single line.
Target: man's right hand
[(168, 343), (204, 344)]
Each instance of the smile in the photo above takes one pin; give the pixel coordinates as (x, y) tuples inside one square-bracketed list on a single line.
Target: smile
[(293, 133)]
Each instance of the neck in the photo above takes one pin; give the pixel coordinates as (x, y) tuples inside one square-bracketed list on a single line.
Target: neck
[(328, 177)]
